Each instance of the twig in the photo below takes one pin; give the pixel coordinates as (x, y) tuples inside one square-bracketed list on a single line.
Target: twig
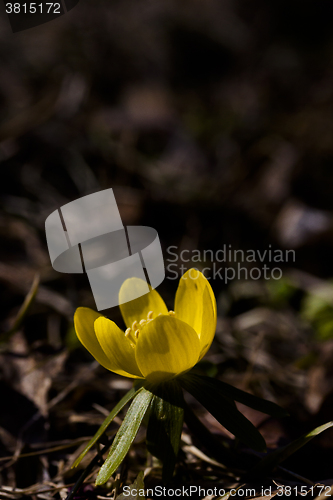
[(46, 450), (95, 461)]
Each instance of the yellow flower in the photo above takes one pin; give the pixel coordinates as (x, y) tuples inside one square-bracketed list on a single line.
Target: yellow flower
[(158, 344)]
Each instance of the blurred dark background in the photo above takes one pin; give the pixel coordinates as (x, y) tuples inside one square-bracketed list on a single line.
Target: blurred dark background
[(213, 123)]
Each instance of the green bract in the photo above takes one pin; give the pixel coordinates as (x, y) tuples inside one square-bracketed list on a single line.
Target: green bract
[(158, 349)]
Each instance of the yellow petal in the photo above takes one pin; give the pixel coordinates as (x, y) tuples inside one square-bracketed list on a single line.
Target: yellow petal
[(208, 326), (117, 347), (165, 348), (138, 309), (195, 304), (84, 319)]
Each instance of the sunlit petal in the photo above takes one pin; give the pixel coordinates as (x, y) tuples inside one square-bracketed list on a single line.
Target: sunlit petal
[(84, 319), (138, 309), (165, 348), (117, 348), (195, 304), (208, 326)]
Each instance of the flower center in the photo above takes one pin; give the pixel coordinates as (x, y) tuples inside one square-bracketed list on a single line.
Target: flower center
[(132, 334)]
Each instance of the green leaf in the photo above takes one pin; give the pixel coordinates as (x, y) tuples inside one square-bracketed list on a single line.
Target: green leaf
[(4, 337), (217, 449), (165, 425), (71, 339), (128, 396), (245, 398), (223, 409), (125, 435), (134, 491), (270, 461)]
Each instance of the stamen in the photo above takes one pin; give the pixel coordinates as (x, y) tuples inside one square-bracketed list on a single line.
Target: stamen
[(172, 313), (133, 333), (129, 334)]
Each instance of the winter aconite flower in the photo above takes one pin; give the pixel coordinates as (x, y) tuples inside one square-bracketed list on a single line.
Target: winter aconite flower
[(158, 344), (157, 349)]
